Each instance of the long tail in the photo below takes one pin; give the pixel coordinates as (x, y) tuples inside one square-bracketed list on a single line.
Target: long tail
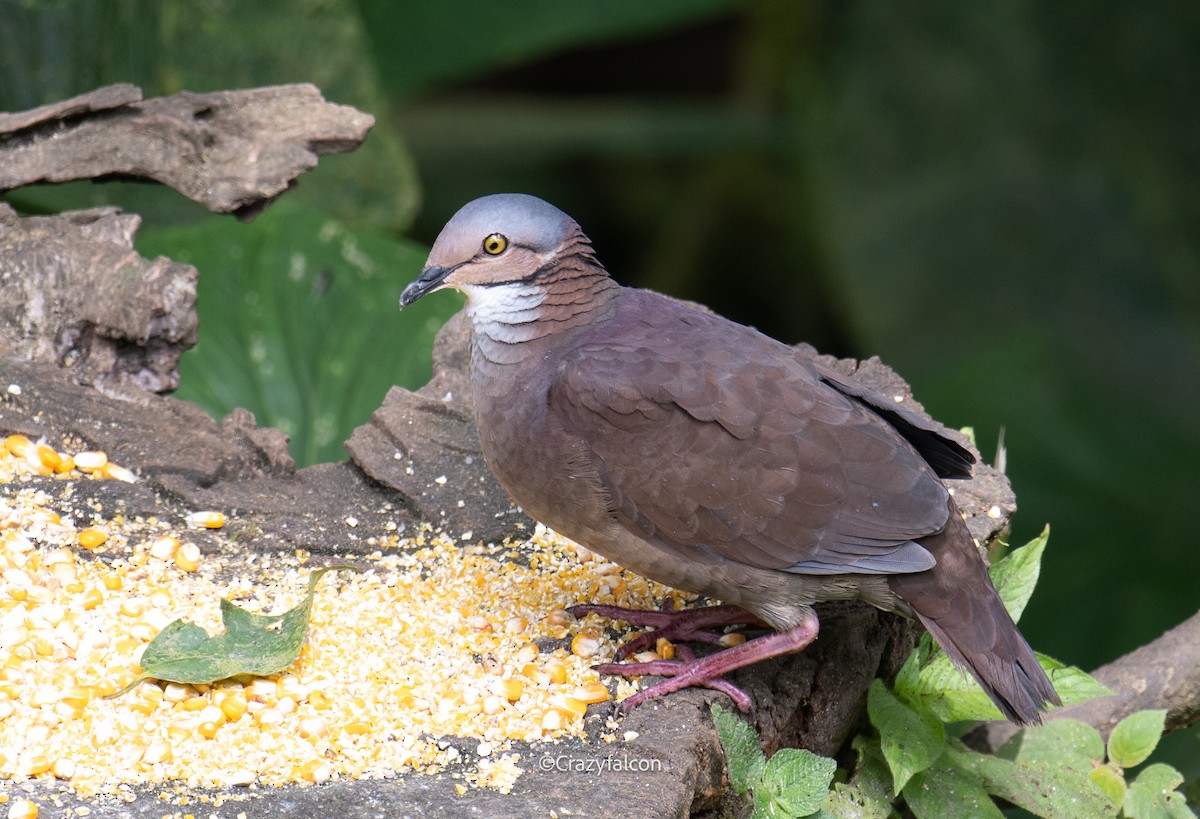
[(956, 601)]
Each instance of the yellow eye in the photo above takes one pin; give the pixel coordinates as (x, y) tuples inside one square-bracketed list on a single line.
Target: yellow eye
[(495, 244)]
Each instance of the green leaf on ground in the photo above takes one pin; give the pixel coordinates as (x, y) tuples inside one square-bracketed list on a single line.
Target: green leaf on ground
[(743, 754), (795, 782), (911, 740), (258, 644), (1135, 737), (1016, 574)]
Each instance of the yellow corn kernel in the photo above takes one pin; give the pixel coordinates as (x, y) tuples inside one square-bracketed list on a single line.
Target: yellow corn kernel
[(358, 727), (559, 617), (113, 581), (206, 520), (525, 654), (647, 657), (572, 706), (553, 719), (66, 464), (233, 706), (187, 557), (163, 547), (23, 809), (91, 598), (92, 538), (63, 768), (208, 729), (586, 644), (33, 765), (77, 696), (557, 671), (19, 445), (665, 648), (157, 751), (592, 692), (733, 638), (320, 700), (49, 458), (133, 606), (536, 673), (316, 770), (112, 472), (313, 727), (512, 689), (90, 461), (143, 707), (195, 704)]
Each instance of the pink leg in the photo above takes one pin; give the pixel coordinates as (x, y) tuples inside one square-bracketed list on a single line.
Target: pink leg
[(693, 625), (707, 671)]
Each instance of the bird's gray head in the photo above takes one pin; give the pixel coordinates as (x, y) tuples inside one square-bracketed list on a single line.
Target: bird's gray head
[(507, 237)]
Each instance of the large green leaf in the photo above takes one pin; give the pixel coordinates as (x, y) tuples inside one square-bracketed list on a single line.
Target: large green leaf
[(420, 44), (299, 322), (911, 739)]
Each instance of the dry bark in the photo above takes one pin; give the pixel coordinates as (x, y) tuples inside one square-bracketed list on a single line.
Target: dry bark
[(231, 151)]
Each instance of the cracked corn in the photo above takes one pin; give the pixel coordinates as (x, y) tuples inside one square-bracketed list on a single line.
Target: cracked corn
[(431, 642)]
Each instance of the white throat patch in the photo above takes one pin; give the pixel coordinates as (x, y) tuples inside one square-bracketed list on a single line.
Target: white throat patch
[(505, 312)]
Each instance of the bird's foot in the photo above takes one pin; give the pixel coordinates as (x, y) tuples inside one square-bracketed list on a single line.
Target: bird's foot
[(692, 625), (709, 671)]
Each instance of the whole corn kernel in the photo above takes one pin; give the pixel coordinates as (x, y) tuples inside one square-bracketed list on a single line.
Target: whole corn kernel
[(733, 638), (112, 472), (163, 547), (512, 689), (23, 809), (49, 458), (92, 538), (206, 520), (90, 461), (187, 557), (591, 692), (585, 645), (19, 446)]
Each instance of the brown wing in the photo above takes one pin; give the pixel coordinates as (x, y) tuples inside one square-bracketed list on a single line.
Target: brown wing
[(708, 433)]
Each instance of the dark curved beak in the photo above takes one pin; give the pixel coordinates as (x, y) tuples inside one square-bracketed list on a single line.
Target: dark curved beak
[(431, 279)]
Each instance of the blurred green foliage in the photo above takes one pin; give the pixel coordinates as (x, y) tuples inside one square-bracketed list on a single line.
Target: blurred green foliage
[(998, 198)]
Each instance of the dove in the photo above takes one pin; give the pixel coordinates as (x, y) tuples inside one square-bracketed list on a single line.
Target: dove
[(705, 455)]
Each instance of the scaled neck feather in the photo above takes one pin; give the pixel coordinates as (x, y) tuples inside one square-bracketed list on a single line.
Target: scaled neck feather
[(572, 290)]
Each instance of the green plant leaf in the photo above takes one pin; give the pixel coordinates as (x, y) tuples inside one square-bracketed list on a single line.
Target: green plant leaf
[(795, 782), (1135, 737), (258, 644), (300, 322), (1109, 780), (1072, 684), (910, 739), (1016, 574), (1153, 796), (1044, 769), (868, 794), (743, 754), (946, 789)]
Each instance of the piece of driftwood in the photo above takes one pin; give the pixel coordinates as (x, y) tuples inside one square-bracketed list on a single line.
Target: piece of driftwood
[(231, 151)]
